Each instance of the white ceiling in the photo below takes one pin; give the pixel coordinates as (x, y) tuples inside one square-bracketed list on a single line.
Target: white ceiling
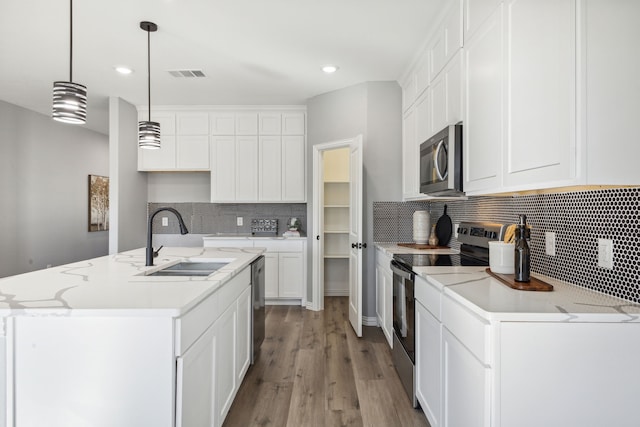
[(252, 51)]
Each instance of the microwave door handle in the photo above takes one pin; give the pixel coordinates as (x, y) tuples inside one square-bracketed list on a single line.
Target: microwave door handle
[(441, 177)]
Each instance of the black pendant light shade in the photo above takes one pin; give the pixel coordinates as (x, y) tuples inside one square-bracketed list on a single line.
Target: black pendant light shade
[(148, 134), (148, 131), (69, 102), (69, 98)]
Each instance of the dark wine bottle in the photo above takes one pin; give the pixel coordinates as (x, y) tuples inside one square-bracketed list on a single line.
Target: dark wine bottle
[(522, 256)]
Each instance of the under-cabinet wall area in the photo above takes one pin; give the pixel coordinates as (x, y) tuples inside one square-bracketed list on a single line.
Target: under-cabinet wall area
[(578, 219), (213, 218)]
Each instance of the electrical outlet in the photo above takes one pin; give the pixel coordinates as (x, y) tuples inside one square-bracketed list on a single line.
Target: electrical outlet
[(605, 253), (550, 243), (455, 230), (239, 221), (165, 221)]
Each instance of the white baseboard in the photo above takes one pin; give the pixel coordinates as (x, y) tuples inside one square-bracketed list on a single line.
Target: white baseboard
[(336, 292), (369, 321), (278, 301)]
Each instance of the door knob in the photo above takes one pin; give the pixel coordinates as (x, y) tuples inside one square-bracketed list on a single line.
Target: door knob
[(353, 245)]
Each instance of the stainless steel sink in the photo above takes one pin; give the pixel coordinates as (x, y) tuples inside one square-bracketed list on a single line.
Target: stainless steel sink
[(190, 268)]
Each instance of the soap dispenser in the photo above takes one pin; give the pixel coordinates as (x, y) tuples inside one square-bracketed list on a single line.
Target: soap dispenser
[(522, 256)]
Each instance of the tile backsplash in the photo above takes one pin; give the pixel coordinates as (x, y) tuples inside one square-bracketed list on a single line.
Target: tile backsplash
[(211, 218), (578, 218)]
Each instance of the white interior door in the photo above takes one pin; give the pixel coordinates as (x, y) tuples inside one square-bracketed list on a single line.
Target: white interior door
[(355, 228), (355, 235)]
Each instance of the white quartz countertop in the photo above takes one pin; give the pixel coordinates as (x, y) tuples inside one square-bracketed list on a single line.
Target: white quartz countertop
[(116, 285), (228, 236), (491, 299), (393, 248)]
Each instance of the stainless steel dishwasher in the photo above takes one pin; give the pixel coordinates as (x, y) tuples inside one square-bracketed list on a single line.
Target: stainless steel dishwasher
[(258, 312)]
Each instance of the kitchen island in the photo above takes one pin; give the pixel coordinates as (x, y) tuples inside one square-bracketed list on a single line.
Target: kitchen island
[(102, 343)]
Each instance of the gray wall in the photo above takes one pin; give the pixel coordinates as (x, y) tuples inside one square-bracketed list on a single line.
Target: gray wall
[(44, 168), (128, 187), (372, 109)]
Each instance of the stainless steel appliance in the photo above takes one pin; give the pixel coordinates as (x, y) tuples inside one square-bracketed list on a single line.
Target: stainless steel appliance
[(474, 251), (441, 163), (258, 312)]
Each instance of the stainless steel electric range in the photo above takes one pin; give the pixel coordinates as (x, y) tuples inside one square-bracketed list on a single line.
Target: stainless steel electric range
[(474, 238)]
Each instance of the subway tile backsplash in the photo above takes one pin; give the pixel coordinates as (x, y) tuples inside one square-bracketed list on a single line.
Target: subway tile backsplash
[(578, 218), (211, 218)]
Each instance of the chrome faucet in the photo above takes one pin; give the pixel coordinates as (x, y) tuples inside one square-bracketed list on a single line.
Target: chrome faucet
[(150, 252)]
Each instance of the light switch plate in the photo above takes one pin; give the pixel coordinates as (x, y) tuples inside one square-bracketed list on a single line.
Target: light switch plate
[(550, 243), (605, 253), (239, 221), (165, 221)]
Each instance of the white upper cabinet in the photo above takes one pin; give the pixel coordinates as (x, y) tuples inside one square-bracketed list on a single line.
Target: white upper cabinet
[(263, 162), (222, 123), (541, 98), (246, 124), (192, 123), (293, 167), (446, 97), (483, 127), (269, 124), (410, 156), (431, 94), (270, 182), (246, 165), (448, 38), (184, 143), (609, 91), (476, 12), (293, 124)]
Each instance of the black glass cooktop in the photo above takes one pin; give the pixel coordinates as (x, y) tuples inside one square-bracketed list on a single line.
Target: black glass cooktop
[(439, 260)]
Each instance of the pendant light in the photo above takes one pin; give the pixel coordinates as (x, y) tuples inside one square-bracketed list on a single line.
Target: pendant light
[(69, 98), (148, 131)]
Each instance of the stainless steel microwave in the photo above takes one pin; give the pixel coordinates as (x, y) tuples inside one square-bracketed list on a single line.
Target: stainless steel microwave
[(441, 163)]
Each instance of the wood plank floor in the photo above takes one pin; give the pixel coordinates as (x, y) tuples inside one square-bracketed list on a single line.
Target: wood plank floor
[(314, 371)]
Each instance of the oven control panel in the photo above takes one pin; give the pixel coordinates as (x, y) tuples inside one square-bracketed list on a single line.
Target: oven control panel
[(480, 233)]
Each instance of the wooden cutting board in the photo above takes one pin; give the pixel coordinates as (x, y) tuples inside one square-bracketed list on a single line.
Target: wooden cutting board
[(533, 285), (421, 246)]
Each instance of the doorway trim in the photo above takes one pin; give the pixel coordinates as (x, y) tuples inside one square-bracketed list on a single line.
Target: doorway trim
[(317, 269)]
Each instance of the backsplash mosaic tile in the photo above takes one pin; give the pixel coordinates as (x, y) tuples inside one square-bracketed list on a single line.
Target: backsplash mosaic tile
[(211, 218), (578, 218)]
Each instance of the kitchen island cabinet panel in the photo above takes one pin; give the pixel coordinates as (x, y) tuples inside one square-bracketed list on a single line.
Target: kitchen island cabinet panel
[(64, 371), (225, 363)]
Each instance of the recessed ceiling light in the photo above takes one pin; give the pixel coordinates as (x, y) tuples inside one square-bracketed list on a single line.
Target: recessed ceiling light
[(329, 69), (123, 70)]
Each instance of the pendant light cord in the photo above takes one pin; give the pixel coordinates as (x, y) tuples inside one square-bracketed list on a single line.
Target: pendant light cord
[(70, 40), (149, 70)]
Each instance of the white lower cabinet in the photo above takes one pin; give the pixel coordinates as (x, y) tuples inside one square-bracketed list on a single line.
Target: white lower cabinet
[(225, 363), (384, 294), (285, 265), (466, 386), (290, 275), (195, 383), (428, 364)]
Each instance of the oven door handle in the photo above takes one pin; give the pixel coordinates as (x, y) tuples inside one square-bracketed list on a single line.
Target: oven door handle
[(399, 270)]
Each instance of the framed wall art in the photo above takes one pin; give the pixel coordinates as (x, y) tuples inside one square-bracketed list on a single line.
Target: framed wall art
[(98, 203)]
